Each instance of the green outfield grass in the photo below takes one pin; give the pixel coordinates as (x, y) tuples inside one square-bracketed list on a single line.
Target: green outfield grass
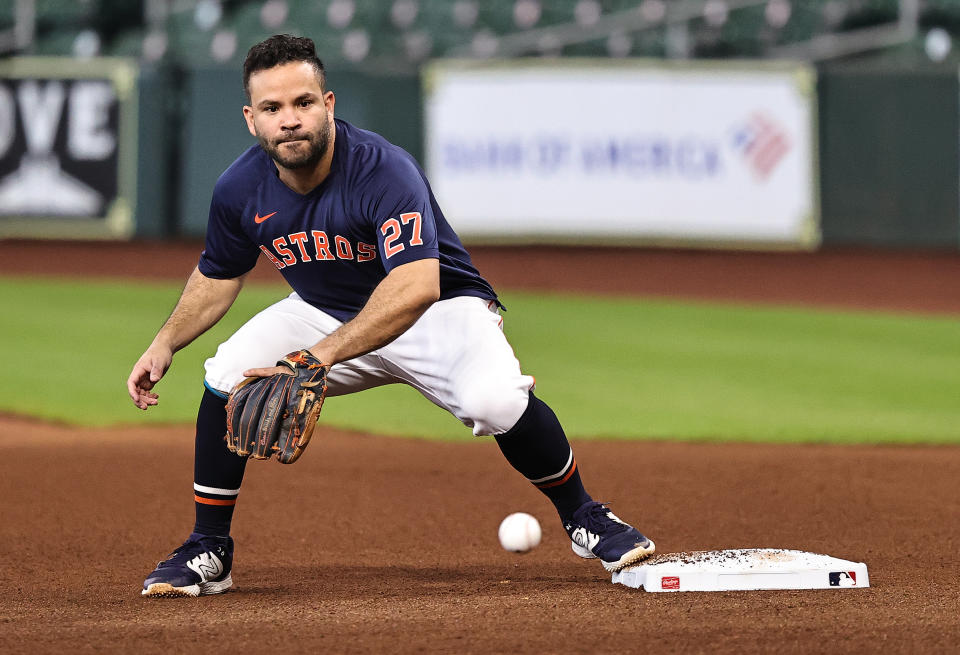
[(621, 368)]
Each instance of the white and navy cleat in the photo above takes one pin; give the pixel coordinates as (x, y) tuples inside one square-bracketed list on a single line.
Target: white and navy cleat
[(200, 567), (596, 532)]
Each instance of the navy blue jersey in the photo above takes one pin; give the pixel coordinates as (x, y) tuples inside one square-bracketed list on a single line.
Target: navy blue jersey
[(333, 245)]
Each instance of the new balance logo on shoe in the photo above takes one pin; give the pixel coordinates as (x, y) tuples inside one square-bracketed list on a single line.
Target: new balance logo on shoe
[(584, 538), (207, 565)]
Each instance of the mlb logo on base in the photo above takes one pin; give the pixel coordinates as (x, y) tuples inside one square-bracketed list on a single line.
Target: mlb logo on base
[(843, 578)]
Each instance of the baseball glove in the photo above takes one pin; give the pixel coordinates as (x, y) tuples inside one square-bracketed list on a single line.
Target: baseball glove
[(277, 414)]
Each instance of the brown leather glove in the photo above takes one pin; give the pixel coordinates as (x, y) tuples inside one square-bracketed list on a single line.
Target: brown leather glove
[(277, 414)]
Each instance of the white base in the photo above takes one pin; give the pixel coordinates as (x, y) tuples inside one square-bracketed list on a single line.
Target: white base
[(743, 569)]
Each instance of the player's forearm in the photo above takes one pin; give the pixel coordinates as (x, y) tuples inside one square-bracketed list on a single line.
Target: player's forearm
[(381, 321), (203, 302), (395, 305)]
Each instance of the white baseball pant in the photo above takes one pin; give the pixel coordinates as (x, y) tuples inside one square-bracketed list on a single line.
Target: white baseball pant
[(455, 354)]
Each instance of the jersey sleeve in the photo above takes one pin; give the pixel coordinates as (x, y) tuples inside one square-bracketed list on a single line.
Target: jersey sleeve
[(228, 252), (401, 210)]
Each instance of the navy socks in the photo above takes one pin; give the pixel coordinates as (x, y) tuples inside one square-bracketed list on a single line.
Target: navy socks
[(538, 448), (217, 473)]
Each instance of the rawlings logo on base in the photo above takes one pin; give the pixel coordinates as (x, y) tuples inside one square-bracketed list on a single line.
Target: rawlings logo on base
[(670, 582)]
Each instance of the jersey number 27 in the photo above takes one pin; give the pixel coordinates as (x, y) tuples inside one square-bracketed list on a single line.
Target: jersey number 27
[(392, 231)]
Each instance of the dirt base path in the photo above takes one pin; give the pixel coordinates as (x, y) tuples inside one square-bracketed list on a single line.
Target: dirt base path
[(372, 545)]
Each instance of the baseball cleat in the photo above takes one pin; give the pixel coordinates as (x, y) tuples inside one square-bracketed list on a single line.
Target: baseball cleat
[(200, 567), (596, 532)]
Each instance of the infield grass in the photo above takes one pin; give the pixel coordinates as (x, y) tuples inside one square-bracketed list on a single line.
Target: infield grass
[(610, 367)]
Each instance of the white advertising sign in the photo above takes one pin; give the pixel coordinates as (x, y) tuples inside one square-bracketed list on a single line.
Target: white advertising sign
[(600, 152)]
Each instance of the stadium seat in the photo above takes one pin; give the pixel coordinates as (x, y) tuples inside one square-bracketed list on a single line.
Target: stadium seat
[(806, 21), (941, 13), (496, 16), (651, 43), (306, 19), (127, 44), (247, 24), (58, 42), (448, 24), (393, 34), (7, 18), (63, 14), (867, 13), (744, 32), (187, 44)]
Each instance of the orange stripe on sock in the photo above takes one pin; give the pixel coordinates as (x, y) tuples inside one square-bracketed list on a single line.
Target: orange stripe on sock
[(557, 483), (213, 501)]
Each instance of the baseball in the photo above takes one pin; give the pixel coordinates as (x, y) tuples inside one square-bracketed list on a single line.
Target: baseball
[(519, 532)]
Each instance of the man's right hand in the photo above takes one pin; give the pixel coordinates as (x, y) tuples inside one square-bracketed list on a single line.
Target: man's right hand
[(146, 373), (203, 302)]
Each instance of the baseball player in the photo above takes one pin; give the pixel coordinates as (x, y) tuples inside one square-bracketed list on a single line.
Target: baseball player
[(383, 293)]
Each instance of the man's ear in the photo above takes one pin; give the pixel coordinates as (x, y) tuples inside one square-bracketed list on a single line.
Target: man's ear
[(248, 116)]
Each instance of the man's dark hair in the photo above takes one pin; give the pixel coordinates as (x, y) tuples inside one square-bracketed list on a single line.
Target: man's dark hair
[(282, 49)]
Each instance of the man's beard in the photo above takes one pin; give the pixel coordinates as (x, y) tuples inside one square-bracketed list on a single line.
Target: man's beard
[(317, 145)]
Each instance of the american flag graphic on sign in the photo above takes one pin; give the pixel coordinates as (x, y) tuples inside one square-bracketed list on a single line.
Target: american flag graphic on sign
[(762, 143)]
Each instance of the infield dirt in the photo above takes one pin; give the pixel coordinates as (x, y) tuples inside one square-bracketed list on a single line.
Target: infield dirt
[(372, 544)]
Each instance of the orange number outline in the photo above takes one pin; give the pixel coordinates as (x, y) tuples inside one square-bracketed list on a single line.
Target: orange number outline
[(417, 224), (389, 248)]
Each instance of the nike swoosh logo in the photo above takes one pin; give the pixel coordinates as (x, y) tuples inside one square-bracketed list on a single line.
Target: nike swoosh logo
[(260, 219)]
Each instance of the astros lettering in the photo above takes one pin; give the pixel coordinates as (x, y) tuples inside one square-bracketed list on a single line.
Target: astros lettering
[(317, 246)]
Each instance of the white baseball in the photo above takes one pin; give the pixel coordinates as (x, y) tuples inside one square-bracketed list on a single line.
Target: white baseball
[(519, 532)]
